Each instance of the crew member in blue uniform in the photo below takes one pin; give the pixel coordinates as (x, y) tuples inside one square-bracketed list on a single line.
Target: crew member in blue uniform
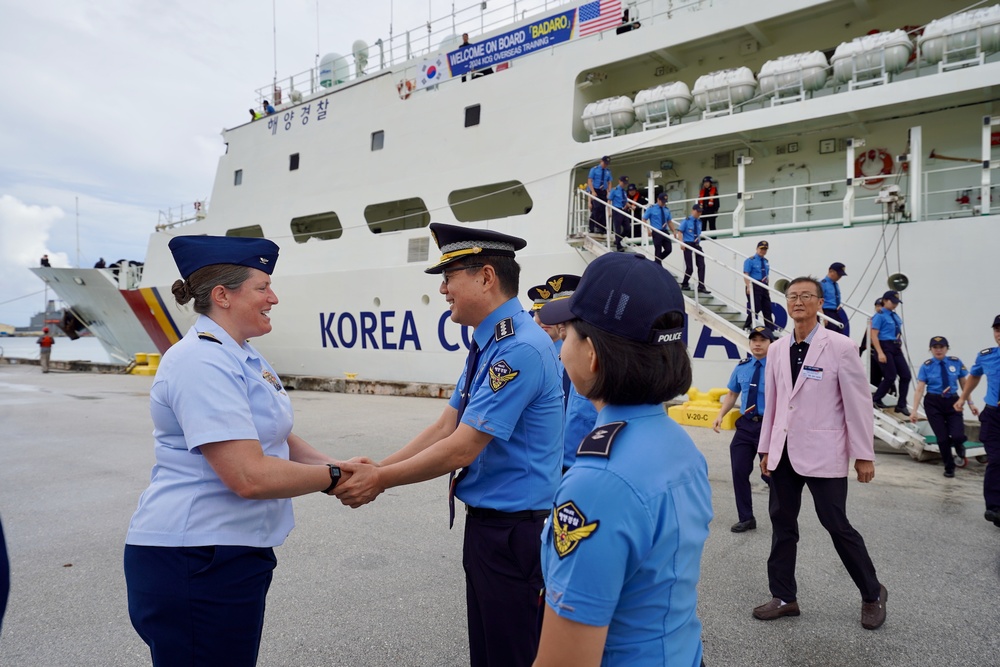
[(622, 549), (598, 182), (618, 197), (746, 383), (832, 304), (757, 267), (988, 364), (942, 376), (689, 231), (659, 218), (503, 426), (199, 551), (887, 336), (556, 287)]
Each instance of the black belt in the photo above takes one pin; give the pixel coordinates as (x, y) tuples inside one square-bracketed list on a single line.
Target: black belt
[(755, 418), (954, 396), (485, 513)]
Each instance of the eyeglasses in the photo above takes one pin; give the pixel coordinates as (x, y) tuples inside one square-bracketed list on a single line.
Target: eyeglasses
[(446, 273), (792, 298)]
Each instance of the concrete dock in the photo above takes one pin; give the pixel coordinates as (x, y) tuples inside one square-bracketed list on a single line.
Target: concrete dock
[(383, 585)]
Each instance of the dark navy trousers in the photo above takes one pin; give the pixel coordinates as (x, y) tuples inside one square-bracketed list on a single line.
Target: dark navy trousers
[(4, 576), (947, 424), (503, 585), (598, 212), (830, 498), (661, 246), (199, 606), (989, 434), (743, 455), (895, 365)]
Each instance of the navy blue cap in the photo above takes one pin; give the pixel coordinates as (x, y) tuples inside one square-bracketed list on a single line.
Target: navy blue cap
[(938, 340), (623, 179), (763, 332), (195, 252), (696, 207), (606, 159), (996, 321), (622, 294), (661, 197), (893, 296), (707, 178), (763, 244), (539, 295), (839, 268), (631, 186), (560, 286), (461, 241)]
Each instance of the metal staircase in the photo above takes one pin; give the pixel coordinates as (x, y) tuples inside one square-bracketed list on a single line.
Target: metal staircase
[(726, 317)]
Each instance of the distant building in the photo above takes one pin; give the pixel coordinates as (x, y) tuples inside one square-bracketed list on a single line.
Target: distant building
[(50, 317), (7, 329)]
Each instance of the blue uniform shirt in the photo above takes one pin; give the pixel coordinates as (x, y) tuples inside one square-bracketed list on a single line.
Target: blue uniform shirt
[(617, 197), (659, 217), (581, 415), (205, 392), (739, 383), (888, 324), (600, 176), (517, 397), (757, 267), (690, 229), (623, 545), (988, 364), (930, 372), (831, 296)]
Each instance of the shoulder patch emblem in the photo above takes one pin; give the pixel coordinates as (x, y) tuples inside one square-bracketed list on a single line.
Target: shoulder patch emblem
[(504, 329), (500, 375), (204, 335), (269, 376), (745, 361), (570, 527), (598, 442)]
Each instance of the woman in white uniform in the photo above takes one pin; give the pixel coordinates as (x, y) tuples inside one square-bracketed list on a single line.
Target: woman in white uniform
[(199, 551)]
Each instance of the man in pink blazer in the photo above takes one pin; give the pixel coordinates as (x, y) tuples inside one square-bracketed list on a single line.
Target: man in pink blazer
[(817, 417)]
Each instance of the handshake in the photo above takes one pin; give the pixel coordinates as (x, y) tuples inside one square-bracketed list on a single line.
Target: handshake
[(360, 482)]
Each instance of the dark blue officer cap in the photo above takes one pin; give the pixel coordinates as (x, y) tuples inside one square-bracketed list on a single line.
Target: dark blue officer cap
[(622, 294), (539, 295), (563, 285), (696, 207), (996, 321), (460, 241), (763, 332), (195, 252), (938, 340), (893, 296)]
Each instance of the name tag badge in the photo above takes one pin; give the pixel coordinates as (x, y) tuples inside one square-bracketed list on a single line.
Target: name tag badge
[(812, 373)]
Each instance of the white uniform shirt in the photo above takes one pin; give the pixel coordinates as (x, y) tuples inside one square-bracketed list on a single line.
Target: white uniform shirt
[(211, 389)]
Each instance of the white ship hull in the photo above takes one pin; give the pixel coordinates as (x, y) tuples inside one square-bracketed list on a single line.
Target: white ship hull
[(360, 303)]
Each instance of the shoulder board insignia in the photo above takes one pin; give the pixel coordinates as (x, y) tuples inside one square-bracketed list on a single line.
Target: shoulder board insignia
[(987, 350), (204, 335), (928, 362), (569, 528), (745, 361), (500, 375), (504, 328), (954, 358), (598, 442)]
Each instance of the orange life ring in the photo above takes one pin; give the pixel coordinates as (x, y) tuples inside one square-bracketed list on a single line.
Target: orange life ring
[(404, 88), (875, 156)]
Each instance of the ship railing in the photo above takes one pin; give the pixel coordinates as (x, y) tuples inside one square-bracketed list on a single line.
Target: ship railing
[(739, 278), (955, 197), (184, 214)]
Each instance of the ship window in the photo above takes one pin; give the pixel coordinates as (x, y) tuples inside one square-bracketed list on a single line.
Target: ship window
[(293, 162), (322, 226), (472, 115), (238, 177), (378, 140), (398, 215), (488, 202), (253, 232)]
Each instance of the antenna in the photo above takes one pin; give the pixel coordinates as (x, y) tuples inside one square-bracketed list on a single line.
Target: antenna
[(274, 28), (317, 33)]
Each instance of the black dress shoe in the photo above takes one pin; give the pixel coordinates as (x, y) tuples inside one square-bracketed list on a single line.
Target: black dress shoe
[(949, 473), (704, 290), (685, 287), (903, 411), (880, 405), (744, 526), (993, 515)]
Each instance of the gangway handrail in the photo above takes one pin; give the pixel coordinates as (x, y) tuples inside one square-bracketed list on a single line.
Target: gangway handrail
[(649, 228)]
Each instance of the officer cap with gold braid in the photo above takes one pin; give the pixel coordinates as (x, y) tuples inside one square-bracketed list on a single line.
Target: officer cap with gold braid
[(563, 285), (463, 242), (540, 295)]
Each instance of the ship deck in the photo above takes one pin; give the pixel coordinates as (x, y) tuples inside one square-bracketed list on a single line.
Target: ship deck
[(383, 585)]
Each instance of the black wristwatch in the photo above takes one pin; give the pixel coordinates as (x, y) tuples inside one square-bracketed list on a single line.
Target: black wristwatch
[(334, 478)]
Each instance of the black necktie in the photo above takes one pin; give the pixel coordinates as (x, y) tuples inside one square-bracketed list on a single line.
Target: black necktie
[(754, 383), (463, 401), (945, 385), (566, 385), (836, 290)]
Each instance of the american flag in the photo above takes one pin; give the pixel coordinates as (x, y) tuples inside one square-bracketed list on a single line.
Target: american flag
[(597, 16)]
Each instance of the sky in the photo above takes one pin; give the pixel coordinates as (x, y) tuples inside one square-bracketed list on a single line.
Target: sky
[(119, 104)]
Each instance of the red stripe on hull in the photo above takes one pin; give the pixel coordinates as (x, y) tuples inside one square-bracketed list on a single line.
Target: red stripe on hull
[(146, 318)]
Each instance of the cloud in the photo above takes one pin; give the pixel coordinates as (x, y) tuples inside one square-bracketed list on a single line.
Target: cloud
[(24, 237)]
